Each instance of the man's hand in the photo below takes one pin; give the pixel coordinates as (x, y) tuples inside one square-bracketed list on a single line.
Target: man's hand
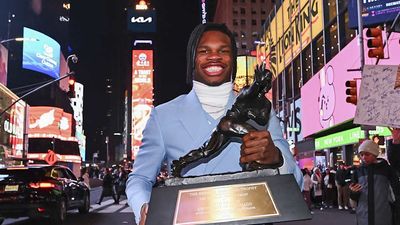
[(258, 147), (355, 187), (143, 214)]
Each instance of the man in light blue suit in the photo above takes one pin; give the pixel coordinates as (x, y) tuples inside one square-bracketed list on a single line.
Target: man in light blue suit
[(186, 122)]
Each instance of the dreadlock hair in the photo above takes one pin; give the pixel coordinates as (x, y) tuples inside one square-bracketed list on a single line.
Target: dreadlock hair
[(194, 41)]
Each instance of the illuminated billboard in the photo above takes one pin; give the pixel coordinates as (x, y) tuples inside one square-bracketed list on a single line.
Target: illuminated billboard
[(295, 24), (3, 65), (142, 94), (42, 55), (49, 122), (141, 20), (11, 125), (373, 12)]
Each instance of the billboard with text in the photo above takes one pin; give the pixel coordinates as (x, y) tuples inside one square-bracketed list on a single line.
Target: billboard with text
[(42, 55), (142, 94)]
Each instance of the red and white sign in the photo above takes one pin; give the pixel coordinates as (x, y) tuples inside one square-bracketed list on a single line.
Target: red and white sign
[(49, 122), (142, 94)]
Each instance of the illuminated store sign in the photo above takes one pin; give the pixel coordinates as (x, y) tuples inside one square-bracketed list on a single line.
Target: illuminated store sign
[(347, 137), (203, 11), (142, 94), (141, 20)]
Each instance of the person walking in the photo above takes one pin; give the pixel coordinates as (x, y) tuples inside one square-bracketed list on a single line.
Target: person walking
[(121, 183), (375, 188), (307, 185), (108, 189)]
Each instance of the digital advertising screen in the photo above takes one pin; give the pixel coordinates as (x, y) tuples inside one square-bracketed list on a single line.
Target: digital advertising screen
[(373, 12), (42, 55), (142, 94), (49, 122), (3, 65)]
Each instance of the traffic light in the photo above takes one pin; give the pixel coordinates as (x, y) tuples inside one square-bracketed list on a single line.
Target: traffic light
[(375, 43), (351, 91), (71, 84)]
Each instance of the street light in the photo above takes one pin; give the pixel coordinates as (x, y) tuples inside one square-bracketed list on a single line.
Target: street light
[(19, 39)]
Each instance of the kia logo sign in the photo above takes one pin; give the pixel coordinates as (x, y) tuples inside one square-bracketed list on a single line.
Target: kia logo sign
[(141, 21)]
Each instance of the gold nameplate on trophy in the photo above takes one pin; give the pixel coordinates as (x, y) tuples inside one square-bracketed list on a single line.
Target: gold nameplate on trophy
[(224, 204)]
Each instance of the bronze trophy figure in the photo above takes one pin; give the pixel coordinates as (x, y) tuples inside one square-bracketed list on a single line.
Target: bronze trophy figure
[(250, 105)]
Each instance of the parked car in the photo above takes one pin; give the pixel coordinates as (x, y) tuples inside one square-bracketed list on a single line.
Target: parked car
[(39, 191)]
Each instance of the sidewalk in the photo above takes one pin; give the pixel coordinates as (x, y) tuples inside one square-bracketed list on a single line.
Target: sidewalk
[(327, 217)]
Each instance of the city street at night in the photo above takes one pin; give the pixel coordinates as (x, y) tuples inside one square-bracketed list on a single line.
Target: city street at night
[(244, 111)]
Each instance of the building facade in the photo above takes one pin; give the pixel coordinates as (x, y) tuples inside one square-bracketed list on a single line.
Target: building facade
[(244, 18), (312, 52)]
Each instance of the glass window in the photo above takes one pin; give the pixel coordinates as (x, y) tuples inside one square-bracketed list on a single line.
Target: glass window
[(288, 81), (242, 11), (253, 11), (244, 45), (346, 34), (235, 12), (330, 10), (263, 12), (332, 41), (318, 53), (296, 76), (235, 22), (254, 22), (275, 94), (342, 5), (253, 1), (306, 64), (279, 92), (242, 22)]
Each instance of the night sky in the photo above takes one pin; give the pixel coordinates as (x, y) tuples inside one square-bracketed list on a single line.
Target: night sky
[(99, 37)]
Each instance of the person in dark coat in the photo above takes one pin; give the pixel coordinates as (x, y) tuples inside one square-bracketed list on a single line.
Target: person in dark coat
[(108, 189), (375, 188)]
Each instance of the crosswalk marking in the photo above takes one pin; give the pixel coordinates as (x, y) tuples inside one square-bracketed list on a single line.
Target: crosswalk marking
[(108, 206)]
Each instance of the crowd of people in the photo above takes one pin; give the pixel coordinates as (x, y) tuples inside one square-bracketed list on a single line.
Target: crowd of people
[(113, 180), (371, 190), (328, 188)]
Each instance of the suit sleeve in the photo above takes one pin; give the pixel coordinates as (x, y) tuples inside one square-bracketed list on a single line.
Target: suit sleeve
[(289, 164), (146, 166)]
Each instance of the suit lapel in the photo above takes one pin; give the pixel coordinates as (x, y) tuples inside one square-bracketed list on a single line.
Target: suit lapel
[(193, 118)]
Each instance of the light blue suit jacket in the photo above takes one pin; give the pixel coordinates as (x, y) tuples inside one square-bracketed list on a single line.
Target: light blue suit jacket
[(179, 126)]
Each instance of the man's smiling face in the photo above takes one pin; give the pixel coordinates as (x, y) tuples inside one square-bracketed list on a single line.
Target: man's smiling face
[(213, 59)]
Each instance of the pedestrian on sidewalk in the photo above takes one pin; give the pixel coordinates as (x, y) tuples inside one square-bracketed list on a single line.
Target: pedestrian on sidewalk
[(316, 179), (108, 189), (307, 185), (342, 187), (375, 187)]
